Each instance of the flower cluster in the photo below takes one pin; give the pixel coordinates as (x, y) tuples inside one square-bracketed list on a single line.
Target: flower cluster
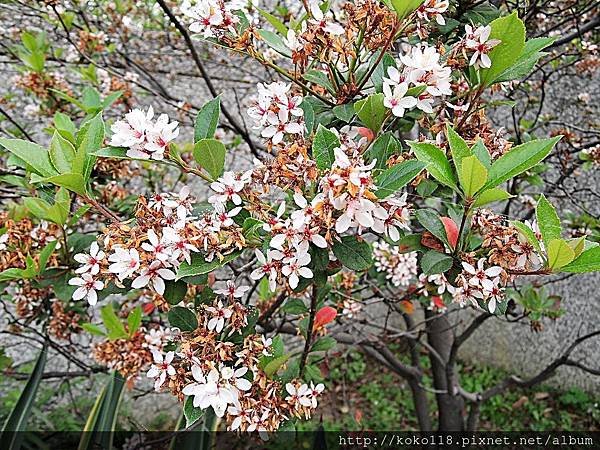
[(400, 268), (212, 18), (277, 112), (150, 252), (478, 283), (227, 374), (143, 137), (420, 68)]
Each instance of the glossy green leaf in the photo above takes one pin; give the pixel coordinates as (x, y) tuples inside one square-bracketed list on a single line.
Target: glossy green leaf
[(547, 220), (519, 159), (431, 222), (112, 323), (437, 164), (434, 262), (395, 178), (353, 253), (210, 155), (371, 111), (490, 196), (175, 291), (61, 153), (134, 320), (183, 318), (35, 156), (588, 261), (324, 143), (472, 175), (199, 266), (559, 254), (207, 120)]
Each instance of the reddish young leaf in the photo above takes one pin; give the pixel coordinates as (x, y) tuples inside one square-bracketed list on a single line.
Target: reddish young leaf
[(451, 230), (324, 316)]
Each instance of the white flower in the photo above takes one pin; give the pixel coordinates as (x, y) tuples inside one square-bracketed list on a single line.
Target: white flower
[(396, 100), (480, 43), (357, 212), (232, 291), (241, 416), (235, 378), (3, 240), (279, 125), (482, 278), (433, 8), (178, 245), (294, 267), (291, 41), (225, 218), (126, 262), (161, 368), (301, 395), (219, 313), (131, 132), (91, 262), (159, 135), (156, 247), (87, 288), (155, 273), (314, 392), (266, 267), (227, 188)]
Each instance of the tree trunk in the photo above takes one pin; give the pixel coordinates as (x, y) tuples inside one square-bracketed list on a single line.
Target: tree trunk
[(450, 406)]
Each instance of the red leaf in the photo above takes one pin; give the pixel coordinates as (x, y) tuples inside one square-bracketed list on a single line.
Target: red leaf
[(451, 231), (324, 316)]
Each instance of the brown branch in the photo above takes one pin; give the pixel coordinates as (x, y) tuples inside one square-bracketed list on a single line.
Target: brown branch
[(309, 329), (205, 75)]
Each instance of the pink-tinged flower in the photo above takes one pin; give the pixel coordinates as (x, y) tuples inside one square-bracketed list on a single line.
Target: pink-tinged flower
[(87, 288), (225, 218), (159, 135), (433, 8), (219, 314), (479, 42), (178, 245), (125, 262), (279, 126), (181, 203), (298, 395), (295, 267), (232, 291), (155, 246), (91, 262), (131, 132), (267, 267), (357, 212), (227, 188), (155, 273), (480, 277), (161, 368), (314, 392), (241, 416), (396, 100)]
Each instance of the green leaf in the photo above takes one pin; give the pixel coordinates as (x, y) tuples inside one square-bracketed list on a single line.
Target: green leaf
[(274, 365), (511, 32), (112, 323), (324, 143), (199, 266), (45, 255), (309, 116), (432, 223), (490, 196), (275, 42), (458, 147), (371, 111), (207, 120), (16, 423), (93, 329), (547, 220), (323, 344), (353, 254), (37, 206), (528, 233), (89, 141), (35, 156), (344, 112), (274, 21), (72, 181), (381, 149), (320, 79), (100, 425), (482, 153), (559, 254), (404, 7), (210, 155), (437, 163), (527, 60), (61, 153), (183, 318), (134, 320), (191, 413), (588, 261), (294, 306), (472, 175), (434, 262), (381, 70), (175, 291), (396, 177), (519, 159)]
